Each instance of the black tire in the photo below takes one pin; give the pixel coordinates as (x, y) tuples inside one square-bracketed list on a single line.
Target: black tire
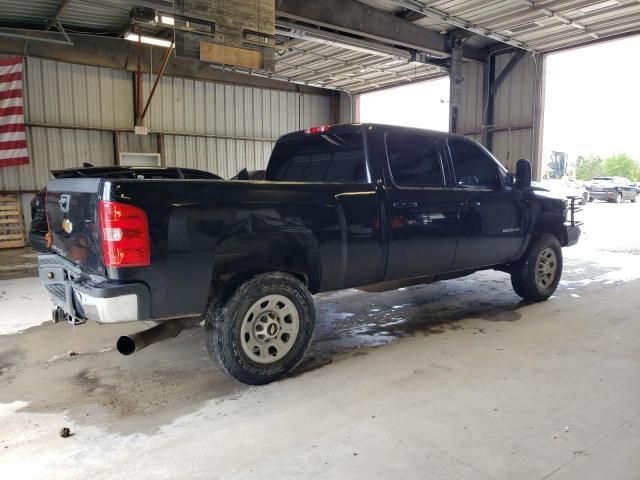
[(619, 198), (225, 322), (585, 198), (634, 199), (590, 198), (524, 274)]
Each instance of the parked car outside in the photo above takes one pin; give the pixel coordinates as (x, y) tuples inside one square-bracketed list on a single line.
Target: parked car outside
[(612, 189), (39, 226)]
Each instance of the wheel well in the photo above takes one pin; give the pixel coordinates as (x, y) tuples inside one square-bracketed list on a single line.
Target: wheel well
[(223, 287), (549, 224)]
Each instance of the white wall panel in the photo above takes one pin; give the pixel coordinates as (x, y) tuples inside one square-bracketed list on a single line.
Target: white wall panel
[(237, 125), (53, 149), (67, 94), (224, 157)]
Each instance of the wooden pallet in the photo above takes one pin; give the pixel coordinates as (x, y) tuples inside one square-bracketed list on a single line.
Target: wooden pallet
[(11, 222)]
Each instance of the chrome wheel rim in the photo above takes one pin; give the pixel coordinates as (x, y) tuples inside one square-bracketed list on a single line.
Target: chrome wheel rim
[(547, 267), (269, 329)]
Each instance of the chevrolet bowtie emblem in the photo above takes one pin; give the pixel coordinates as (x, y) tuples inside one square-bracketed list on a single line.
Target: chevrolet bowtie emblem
[(67, 226)]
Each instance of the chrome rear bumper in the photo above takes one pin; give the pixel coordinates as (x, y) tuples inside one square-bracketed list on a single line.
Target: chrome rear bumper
[(83, 296)]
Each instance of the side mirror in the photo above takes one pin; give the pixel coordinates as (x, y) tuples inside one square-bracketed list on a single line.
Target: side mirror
[(510, 180), (523, 174)]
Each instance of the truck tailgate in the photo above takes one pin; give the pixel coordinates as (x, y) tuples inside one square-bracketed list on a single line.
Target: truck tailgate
[(72, 213)]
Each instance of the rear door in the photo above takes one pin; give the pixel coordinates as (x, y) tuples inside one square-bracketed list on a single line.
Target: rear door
[(422, 210), (492, 217), (72, 213)]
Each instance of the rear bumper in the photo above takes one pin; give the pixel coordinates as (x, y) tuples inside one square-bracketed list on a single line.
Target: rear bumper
[(572, 233), (603, 195), (85, 297)]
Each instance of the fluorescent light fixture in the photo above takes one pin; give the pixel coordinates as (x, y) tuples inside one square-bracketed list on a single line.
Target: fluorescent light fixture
[(160, 42), (599, 6), (166, 20)]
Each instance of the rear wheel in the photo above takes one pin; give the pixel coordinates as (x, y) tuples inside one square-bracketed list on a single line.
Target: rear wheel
[(262, 331), (537, 275), (634, 199)]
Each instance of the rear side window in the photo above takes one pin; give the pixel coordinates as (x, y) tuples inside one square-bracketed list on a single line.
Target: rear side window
[(414, 160), (472, 166), (333, 157)]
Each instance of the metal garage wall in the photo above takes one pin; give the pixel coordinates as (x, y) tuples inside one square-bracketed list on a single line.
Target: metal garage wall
[(470, 110), (227, 127), (55, 148), (67, 94), (197, 107), (222, 156), (230, 127), (516, 109)]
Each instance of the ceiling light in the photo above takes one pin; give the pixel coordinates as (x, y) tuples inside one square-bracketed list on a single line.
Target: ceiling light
[(165, 20), (160, 42), (599, 6)]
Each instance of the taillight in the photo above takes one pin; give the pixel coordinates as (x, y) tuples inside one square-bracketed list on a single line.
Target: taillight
[(316, 130), (125, 235)]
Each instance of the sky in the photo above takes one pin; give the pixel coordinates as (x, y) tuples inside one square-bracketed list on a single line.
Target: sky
[(422, 105), (592, 101)]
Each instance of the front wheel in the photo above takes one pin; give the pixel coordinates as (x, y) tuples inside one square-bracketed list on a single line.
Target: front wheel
[(262, 331), (619, 198), (537, 275), (634, 199), (585, 199)]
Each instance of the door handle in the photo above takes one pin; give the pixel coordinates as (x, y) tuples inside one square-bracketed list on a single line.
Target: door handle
[(405, 204), (470, 204)]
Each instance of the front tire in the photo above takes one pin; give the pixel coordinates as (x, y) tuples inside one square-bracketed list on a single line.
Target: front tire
[(262, 331), (537, 275), (619, 198), (585, 199)]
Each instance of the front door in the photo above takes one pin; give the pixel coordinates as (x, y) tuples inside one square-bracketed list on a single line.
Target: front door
[(421, 211), (492, 216)]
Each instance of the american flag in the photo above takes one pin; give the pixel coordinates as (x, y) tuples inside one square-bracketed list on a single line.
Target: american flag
[(13, 143)]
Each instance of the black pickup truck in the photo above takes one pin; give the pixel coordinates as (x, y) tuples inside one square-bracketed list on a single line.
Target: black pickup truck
[(340, 206)]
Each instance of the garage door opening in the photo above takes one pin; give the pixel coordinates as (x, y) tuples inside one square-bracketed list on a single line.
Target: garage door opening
[(421, 105), (590, 113)]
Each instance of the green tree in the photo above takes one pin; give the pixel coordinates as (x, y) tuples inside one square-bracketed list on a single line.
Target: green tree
[(622, 165), (589, 167)]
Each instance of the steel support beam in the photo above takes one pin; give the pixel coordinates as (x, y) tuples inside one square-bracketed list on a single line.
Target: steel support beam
[(455, 85), (58, 13), (505, 71), (113, 53), (353, 17)]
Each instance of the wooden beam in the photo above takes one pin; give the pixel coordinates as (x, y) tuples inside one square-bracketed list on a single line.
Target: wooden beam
[(226, 55)]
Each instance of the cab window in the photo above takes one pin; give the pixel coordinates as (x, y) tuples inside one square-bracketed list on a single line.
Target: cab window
[(414, 160), (472, 166)]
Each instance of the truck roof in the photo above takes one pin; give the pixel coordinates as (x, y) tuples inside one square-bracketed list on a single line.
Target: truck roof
[(378, 125)]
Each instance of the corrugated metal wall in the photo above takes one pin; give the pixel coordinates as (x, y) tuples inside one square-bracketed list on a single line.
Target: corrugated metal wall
[(222, 128), (515, 115)]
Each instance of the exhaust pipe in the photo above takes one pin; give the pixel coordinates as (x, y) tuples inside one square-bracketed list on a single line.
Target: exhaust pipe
[(128, 344)]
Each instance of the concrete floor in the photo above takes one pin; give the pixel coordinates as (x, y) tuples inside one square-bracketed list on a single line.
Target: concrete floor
[(452, 380)]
